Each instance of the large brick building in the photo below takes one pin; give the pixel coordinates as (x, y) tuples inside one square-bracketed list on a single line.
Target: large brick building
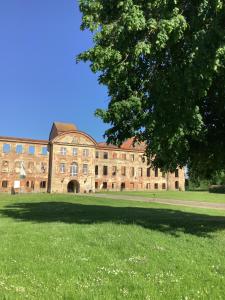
[(72, 161)]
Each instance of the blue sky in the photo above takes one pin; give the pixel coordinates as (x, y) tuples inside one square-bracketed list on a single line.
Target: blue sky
[(40, 81)]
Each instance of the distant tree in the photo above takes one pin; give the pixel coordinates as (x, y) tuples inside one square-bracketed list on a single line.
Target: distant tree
[(164, 65)]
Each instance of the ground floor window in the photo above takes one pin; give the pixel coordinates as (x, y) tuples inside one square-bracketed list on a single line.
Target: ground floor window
[(4, 183), (104, 186), (163, 186), (96, 185), (156, 186), (148, 186), (122, 185), (43, 184), (176, 185)]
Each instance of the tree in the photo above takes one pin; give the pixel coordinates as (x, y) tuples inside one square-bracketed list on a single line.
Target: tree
[(163, 63)]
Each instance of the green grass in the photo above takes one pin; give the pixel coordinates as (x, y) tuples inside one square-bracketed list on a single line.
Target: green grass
[(194, 196), (68, 247)]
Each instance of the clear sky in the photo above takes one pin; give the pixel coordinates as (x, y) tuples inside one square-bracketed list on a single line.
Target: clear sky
[(40, 81)]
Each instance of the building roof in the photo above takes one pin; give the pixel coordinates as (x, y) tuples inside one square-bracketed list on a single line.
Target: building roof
[(63, 127), (23, 140), (127, 145)]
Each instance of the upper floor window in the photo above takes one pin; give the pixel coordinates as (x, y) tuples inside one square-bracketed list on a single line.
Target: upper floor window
[(75, 151), (43, 167), (85, 169), (6, 148), (105, 170), (85, 152), (44, 150), (163, 174), (96, 154), (132, 171), (105, 155), (63, 151), (114, 170), (177, 173), (123, 171), (140, 172), (114, 155), (96, 170), (123, 156), (156, 172), (19, 149), (148, 172), (31, 150), (74, 169), (132, 157), (62, 168)]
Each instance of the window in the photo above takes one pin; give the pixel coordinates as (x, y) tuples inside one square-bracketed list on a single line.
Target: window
[(114, 155), (62, 168), (31, 150), (114, 171), (43, 167), (163, 186), (105, 155), (85, 169), (30, 167), (96, 154), (74, 169), (4, 183), (148, 172), (123, 156), (140, 172), (44, 150), (63, 151), (177, 173), (28, 184), (176, 185), (132, 171), (156, 186), (156, 172), (104, 186), (6, 148), (132, 157), (148, 186), (85, 152), (96, 170), (96, 184), (122, 185), (105, 170), (19, 149), (163, 174), (75, 151), (43, 184), (123, 171), (5, 166)]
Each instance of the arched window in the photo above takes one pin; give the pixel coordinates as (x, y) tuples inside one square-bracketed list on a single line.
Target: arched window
[(74, 169)]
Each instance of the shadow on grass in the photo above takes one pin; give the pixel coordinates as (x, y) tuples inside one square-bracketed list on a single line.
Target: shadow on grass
[(163, 220)]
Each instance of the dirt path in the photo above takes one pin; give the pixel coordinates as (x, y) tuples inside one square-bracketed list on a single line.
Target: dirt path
[(188, 203)]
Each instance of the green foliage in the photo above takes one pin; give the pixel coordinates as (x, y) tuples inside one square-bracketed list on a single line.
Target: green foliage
[(164, 65)]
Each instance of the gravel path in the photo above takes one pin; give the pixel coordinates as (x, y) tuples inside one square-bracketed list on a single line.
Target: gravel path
[(197, 204)]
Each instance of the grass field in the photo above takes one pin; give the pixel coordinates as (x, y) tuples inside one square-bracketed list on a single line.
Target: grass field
[(195, 196), (68, 247)]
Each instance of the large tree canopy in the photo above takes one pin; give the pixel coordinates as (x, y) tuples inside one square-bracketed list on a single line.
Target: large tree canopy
[(163, 62)]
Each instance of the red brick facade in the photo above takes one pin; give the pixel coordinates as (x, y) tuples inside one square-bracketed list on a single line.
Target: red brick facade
[(72, 161)]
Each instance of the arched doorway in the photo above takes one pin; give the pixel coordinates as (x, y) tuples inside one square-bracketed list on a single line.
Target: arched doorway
[(73, 187)]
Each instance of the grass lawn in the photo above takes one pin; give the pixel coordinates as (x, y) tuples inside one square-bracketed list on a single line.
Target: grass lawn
[(194, 196), (68, 247)]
